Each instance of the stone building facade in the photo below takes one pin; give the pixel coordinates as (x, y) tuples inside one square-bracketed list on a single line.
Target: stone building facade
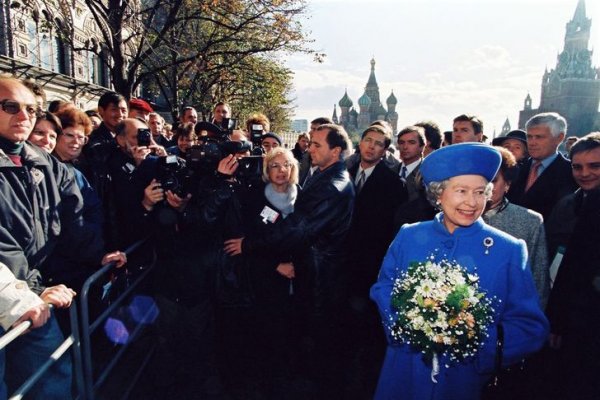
[(30, 47)]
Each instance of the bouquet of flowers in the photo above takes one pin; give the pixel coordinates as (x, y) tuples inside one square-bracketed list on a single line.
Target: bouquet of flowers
[(440, 311)]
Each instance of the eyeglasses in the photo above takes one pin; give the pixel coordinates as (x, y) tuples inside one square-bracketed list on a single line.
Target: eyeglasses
[(76, 138), (13, 107), (285, 165)]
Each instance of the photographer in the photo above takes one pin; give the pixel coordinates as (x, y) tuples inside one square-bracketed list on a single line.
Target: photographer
[(127, 178)]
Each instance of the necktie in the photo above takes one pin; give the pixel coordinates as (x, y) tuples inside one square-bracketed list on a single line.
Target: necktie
[(360, 182), (533, 174), (403, 173)]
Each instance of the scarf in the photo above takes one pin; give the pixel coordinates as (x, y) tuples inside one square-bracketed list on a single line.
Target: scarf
[(284, 202)]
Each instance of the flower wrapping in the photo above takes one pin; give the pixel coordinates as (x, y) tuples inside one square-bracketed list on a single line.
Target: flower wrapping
[(439, 310)]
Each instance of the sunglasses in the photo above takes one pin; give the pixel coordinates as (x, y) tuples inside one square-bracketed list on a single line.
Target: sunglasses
[(14, 107)]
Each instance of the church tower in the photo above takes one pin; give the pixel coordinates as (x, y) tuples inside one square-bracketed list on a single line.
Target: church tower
[(376, 110), (505, 128), (364, 117), (572, 88), (334, 117), (392, 115), (345, 103)]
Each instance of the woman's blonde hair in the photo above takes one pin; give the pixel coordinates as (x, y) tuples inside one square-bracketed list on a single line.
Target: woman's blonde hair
[(278, 151)]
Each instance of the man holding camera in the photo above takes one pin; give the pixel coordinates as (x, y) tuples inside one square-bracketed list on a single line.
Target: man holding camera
[(126, 181)]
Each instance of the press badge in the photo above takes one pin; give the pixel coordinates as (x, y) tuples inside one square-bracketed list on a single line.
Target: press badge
[(269, 215)]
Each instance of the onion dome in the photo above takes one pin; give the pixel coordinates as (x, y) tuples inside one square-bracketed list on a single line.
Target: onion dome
[(392, 99), (345, 101), (364, 100)]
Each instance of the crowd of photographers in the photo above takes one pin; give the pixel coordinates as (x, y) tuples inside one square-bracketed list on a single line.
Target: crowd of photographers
[(79, 187)]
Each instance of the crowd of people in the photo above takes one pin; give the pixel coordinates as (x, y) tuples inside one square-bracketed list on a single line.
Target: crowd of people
[(275, 267)]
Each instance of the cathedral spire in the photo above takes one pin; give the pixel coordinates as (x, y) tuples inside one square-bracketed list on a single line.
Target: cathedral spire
[(372, 82), (577, 35), (580, 12), (334, 117)]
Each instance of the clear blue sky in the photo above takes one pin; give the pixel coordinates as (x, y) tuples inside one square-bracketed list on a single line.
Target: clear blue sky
[(441, 58)]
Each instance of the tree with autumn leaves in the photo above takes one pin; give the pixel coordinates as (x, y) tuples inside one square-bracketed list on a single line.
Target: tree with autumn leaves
[(197, 51)]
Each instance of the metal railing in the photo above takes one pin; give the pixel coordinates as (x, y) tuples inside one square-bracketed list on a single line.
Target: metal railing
[(71, 342), (87, 329), (80, 339)]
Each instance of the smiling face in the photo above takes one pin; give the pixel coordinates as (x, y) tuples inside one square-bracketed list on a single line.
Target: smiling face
[(586, 169), (16, 127), (113, 114), (463, 201), (44, 135), (70, 143)]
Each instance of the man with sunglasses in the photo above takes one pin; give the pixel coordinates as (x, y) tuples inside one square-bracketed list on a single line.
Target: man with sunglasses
[(40, 209)]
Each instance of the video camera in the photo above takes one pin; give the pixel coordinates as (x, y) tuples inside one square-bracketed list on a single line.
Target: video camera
[(216, 146)]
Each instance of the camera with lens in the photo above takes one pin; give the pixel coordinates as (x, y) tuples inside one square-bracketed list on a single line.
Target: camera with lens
[(144, 137), (173, 175)]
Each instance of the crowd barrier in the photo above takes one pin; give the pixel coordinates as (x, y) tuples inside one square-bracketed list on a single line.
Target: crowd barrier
[(86, 380)]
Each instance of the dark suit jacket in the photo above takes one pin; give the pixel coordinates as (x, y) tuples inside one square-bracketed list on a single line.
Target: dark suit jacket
[(372, 228), (554, 183), (411, 182)]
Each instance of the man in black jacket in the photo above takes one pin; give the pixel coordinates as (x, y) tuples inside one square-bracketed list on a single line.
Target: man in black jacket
[(315, 233), (40, 209)]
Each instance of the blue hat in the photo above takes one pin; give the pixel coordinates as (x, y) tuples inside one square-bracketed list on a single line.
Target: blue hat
[(461, 159)]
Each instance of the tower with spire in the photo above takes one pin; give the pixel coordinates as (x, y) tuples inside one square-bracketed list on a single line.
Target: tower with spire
[(572, 88), (370, 107)]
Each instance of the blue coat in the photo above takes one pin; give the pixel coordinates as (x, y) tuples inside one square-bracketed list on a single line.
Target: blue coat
[(503, 273)]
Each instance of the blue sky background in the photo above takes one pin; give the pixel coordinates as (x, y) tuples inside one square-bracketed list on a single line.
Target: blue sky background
[(442, 58)]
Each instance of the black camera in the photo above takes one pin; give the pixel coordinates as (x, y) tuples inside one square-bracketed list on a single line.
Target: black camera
[(256, 133), (207, 155), (144, 137), (250, 169), (173, 175)]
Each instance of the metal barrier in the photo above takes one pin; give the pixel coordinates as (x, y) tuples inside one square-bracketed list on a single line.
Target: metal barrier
[(71, 342), (81, 343), (87, 329)]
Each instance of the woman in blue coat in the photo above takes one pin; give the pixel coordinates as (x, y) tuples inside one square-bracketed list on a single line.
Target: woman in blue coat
[(457, 179)]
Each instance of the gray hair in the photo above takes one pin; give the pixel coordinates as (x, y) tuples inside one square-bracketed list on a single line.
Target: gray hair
[(552, 120), (434, 190)]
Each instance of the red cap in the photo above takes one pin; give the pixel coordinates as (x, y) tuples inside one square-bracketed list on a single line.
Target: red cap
[(139, 104)]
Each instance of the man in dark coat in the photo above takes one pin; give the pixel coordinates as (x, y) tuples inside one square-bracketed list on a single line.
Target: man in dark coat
[(574, 305), (546, 177), (379, 192), (315, 233), (40, 209)]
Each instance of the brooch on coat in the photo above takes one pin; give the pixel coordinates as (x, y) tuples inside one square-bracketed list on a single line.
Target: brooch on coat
[(488, 242)]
